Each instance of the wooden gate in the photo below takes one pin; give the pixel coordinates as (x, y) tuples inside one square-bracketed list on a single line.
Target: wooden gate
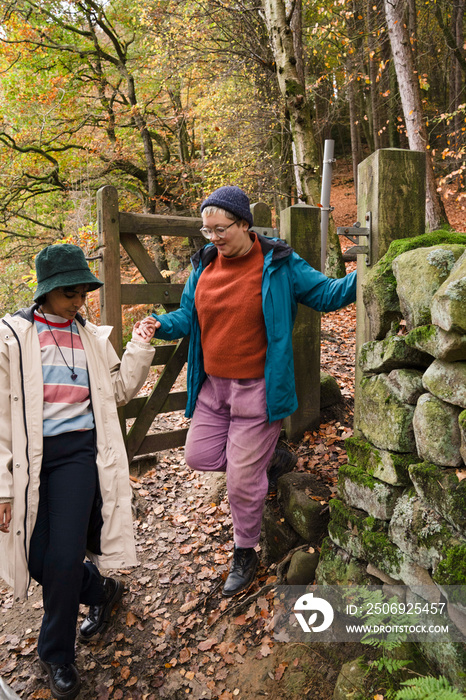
[(115, 228)]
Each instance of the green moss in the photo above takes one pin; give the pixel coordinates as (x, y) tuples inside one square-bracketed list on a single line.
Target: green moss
[(333, 571), (358, 476), (442, 490), (452, 570), (382, 552), (361, 453), (462, 420), (400, 246), (353, 519), (421, 334)]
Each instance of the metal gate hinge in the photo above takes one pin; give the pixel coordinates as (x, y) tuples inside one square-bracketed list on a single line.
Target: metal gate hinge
[(354, 232)]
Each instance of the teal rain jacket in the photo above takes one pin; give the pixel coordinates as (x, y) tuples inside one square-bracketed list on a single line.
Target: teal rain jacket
[(286, 280)]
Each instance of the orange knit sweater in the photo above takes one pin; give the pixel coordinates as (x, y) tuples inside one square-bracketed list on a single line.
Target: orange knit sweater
[(229, 307)]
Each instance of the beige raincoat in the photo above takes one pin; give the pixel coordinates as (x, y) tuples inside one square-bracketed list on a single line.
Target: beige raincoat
[(112, 382)]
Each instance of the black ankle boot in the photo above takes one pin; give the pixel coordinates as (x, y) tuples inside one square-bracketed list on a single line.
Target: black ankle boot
[(64, 680), (283, 461), (98, 616), (242, 571)]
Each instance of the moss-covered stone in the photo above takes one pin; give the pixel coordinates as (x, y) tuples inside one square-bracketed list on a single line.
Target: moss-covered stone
[(302, 568), (306, 516), (383, 553), (391, 560), (429, 267), (419, 531), (433, 340), (447, 381), (462, 427), (354, 519), (378, 356), (337, 568), (350, 683), (447, 658), (346, 540), (330, 393), (451, 571), (436, 431), (277, 536), (390, 467), (443, 491), (379, 286), (346, 525), (448, 308), (406, 385), (383, 418), (360, 490)]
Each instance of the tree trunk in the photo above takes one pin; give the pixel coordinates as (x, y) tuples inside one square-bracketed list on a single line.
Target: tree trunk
[(408, 83), (299, 111), (372, 60), (456, 74), (356, 149)]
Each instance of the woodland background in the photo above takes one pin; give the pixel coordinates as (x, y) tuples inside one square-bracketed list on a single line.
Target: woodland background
[(169, 99)]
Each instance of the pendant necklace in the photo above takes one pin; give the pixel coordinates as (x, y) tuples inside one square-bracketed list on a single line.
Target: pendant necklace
[(74, 376)]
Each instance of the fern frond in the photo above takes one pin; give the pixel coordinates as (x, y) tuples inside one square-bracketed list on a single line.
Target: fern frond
[(429, 688)]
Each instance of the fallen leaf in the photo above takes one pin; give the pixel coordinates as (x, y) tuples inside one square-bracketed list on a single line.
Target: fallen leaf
[(265, 650), (131, 618), (461, 474), (185, 655), (240, 620), (207, 644), (279, 671)]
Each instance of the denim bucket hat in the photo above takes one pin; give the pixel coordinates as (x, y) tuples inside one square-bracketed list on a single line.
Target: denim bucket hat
[(62, 265)]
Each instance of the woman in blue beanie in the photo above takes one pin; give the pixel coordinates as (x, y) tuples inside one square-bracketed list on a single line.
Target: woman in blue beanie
[(64, 482), (238, 307)]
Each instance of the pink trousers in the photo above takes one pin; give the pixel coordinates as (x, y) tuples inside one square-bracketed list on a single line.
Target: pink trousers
[(230, 432)]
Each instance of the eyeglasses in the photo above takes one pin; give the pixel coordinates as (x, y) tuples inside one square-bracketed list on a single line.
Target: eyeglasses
[(218, 230)]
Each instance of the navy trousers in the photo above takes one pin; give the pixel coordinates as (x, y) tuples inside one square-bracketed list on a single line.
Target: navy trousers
[(68, 484)]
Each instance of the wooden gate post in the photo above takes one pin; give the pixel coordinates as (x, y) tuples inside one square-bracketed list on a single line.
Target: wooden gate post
[(300, 228), (108, 228), (391, 187)]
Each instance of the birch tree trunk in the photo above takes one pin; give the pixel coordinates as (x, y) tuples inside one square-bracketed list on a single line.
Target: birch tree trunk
[(395, 11), (298, 110)]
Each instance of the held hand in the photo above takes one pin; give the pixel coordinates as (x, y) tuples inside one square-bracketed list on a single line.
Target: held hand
[(144, 330), (5, 517)]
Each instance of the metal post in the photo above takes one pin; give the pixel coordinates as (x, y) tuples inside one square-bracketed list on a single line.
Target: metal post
[(325, 199)]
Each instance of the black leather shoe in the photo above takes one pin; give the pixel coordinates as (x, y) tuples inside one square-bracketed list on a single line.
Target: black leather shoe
[(64, 680), (283, 461), (98, 616), (242, 571)]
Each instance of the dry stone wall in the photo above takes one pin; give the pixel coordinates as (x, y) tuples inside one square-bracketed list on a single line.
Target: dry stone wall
[(400, 515)]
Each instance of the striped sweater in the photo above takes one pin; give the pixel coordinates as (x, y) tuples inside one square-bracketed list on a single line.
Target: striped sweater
[(67, 402)]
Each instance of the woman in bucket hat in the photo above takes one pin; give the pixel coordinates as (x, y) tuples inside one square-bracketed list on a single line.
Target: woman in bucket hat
[(238, 307), (64, 487)]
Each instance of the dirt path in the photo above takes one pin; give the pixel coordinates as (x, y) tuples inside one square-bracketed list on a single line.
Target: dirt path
[(174, 636)]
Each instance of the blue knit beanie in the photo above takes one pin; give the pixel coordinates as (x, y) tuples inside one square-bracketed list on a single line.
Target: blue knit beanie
[(232, 199)]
